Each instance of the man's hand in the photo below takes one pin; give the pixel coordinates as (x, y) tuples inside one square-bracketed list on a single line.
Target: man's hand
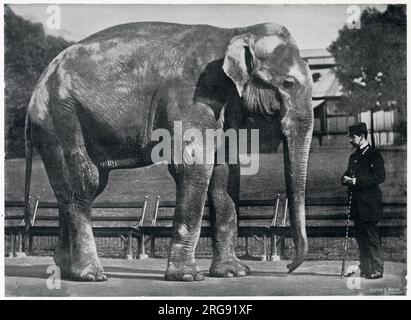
[(348, 180)]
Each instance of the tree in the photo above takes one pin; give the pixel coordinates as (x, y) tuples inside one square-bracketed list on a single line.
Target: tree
[(27, 52), (371, 62)]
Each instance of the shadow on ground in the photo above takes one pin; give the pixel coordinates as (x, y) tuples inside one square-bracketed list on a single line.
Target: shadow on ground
[(136, 278), (38, 271)]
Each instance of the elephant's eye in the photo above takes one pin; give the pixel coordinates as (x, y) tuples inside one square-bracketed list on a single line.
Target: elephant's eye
[(289, 83)]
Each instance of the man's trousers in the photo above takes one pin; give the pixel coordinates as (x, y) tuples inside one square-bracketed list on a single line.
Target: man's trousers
[(368, 239)]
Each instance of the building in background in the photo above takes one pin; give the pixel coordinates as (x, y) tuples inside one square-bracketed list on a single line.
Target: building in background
[(331, 121)]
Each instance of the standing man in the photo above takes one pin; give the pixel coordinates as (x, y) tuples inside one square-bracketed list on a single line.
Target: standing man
[(364, 174)]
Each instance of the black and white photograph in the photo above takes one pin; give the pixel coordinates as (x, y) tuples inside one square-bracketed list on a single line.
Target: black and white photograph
[(197, 150)]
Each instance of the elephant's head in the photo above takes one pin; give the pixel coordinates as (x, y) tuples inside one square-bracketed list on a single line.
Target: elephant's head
[(273, 80)]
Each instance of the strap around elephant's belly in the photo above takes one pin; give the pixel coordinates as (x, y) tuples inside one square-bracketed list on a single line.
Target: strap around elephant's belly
[(120, 164)]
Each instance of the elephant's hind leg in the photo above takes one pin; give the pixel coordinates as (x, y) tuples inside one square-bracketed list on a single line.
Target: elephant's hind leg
[(223, 218), (53, 159), (84, 182), (192, 183)]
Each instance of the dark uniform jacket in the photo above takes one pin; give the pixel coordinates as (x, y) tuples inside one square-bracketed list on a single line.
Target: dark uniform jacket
[(367, 166)]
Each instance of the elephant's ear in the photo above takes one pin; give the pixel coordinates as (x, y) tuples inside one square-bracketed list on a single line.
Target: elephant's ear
[(239, 60)]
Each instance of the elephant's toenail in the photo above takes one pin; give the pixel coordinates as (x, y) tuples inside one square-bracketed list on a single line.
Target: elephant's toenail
[(101, 277), (229, 275), (241, 273), (188, 277), (199, 277), (89, 277)]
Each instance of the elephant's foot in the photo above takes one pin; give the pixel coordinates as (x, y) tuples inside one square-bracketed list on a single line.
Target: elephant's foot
[(88, 270), (228, 267), (183, 271)]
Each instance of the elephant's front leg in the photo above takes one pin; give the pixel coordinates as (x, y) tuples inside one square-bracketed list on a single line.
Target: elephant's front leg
[(192, 183), (224, 187)]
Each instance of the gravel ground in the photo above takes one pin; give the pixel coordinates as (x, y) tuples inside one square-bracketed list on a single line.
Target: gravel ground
[(144, 278)]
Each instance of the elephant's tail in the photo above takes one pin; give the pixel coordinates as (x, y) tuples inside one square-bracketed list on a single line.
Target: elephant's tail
[(29, 160)]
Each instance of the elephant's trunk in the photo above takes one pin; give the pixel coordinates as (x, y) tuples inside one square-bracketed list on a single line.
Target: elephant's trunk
[(297, 139)]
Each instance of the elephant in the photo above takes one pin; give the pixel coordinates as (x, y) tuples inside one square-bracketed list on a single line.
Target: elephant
[(95, 108)]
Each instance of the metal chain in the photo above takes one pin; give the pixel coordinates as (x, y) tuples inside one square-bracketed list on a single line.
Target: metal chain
[(348, 223), (346, 235)]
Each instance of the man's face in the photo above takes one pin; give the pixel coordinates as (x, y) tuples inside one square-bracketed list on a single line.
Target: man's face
[(355, 140)]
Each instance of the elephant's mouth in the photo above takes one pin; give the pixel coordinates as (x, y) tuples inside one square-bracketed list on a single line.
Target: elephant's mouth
[(262, 100), (266, 117)]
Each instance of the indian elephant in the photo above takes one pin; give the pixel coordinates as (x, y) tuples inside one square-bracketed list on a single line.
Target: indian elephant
[(98, 102)]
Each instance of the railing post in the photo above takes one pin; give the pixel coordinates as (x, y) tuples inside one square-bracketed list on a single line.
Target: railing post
[(153, 224), (30, 243), (12, 246), (153, 246), (274, 255), (129, 254), (32, 222), (154, 220), (283, 224), (141, 247), (246, 246), (20, 253), (282, 246), (263, 239), (263, 257), (143, 212)]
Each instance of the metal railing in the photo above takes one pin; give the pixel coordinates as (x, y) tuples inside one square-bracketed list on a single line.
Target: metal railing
[(270, 226)]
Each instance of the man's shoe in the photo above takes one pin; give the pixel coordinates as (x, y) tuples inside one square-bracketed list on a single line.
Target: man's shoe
[(353, 271), (375, 275), (349, 274)]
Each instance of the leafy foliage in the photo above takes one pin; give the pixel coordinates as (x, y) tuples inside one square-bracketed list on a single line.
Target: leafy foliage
[(27, 52), (372, 62)]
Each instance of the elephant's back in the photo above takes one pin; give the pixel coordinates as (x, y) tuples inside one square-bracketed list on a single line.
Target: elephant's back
[(153, 31), (160, 41), (175, 31)]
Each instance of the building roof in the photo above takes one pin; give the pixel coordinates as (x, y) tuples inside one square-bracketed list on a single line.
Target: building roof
[(316, 103), (309, 53), (317, 57), (326, 84)]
